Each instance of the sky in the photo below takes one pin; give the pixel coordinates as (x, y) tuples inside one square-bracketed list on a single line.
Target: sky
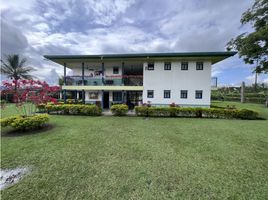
[(33, 28)]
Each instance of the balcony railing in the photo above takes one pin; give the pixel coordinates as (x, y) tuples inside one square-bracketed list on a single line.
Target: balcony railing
[(128, 80)]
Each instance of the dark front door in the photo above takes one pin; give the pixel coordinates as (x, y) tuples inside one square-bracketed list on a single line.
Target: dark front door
[(106, 100)]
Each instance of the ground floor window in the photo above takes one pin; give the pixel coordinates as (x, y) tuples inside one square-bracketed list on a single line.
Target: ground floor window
[(93, 95), (166, 94), (117, 96), (184, 94), (198, 94), (150, 94)]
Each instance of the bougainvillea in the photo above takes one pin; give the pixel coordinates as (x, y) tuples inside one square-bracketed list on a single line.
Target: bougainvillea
[(34, 92)]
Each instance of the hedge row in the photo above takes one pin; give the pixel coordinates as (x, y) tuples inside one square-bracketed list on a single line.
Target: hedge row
[(119, 109), (25, 122), (73, 109), (195, 112)]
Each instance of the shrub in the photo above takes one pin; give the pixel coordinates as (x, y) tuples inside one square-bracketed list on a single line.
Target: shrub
[(119, 109), (73, 109), (25, 122), (247, 114), (195, 112)]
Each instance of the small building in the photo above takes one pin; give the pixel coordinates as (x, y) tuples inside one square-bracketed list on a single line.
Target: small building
[(155, 78)]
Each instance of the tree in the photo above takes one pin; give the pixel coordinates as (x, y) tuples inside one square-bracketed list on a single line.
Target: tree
[(33, 92), (253, 47), (15, 69)]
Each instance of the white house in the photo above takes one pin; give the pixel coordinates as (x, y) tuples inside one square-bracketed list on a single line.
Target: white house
[(155, 78)]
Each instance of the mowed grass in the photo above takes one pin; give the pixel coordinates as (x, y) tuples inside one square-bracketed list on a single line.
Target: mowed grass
[(136, 158)]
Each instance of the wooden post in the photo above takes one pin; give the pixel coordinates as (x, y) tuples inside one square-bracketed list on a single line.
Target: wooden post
[(243, 92)]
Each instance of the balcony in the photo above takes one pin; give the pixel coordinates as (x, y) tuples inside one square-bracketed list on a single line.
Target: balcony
[(125, 80)]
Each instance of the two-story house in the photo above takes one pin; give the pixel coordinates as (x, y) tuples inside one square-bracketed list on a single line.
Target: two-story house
[(155, 78)]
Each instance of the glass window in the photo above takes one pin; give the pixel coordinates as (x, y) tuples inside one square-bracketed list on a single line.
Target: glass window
[(184, 66), (198, 94), (93, 95), (199, 66), (167, 66), (150, 66), (150, 94), (117, 96), (166, 94), (184, 94), (115, 70)]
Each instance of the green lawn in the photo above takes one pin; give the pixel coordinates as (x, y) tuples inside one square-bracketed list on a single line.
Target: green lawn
[(136, 158)]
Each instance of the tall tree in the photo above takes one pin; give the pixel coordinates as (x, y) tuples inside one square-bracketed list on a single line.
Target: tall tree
[(253, 47), (15, 69)]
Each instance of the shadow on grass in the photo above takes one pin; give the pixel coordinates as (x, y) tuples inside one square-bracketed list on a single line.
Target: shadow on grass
[(17, 133)]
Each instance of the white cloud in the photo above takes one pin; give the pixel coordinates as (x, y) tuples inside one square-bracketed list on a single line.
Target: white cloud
[(119, 26)]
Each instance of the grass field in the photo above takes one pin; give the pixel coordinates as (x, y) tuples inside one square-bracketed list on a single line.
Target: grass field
[(137, 158)]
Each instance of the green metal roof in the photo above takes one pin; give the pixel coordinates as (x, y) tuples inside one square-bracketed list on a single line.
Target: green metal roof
[(214, 56)]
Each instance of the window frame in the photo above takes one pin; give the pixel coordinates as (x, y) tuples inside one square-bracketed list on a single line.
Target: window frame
[(169, 92), (184, 92), (167, 66), (121, 96), (184, 63), (150, 97), (199, 91), (198, 64), (150, 68), (114, 70)]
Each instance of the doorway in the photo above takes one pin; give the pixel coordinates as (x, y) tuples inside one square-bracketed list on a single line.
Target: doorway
[(106, 103)]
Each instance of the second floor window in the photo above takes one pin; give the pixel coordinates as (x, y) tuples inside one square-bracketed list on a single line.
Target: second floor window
[(150, 66), (198, 94), (115, 70), (166, 94), (117, 96), (184, 66), (167, 66), (184, 94), (150, 94), (199, 66)]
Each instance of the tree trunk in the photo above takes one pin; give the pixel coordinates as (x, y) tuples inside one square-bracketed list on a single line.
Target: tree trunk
[(256, 81), (243, 92)]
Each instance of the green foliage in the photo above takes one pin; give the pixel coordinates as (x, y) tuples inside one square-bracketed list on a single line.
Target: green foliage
[(253, 47), (227, 113), (73, 109), (119, 109), (24, 123), (14, 67)]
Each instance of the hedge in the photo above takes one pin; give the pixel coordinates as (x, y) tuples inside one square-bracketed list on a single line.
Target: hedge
[(73, 109), (25, 122), (195, 112), (119, 109)]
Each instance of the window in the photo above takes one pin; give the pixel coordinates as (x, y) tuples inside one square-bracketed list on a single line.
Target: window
[(184, 66), (167, 66), (150, 66), (166, 94), (199, 66), (150, 94), (117, 96), (184, 94), (198, 94), (93, 95), (116, 70)]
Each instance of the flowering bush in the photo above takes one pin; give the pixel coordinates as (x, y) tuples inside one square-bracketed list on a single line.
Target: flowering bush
[(34, 92)]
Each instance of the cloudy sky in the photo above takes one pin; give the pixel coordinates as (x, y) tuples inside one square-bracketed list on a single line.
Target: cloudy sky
[(33, 28)]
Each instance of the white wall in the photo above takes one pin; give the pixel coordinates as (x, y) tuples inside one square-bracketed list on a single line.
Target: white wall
[(176, 80)]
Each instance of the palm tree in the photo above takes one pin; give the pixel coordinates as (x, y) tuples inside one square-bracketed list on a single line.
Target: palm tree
[(15, 69)]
